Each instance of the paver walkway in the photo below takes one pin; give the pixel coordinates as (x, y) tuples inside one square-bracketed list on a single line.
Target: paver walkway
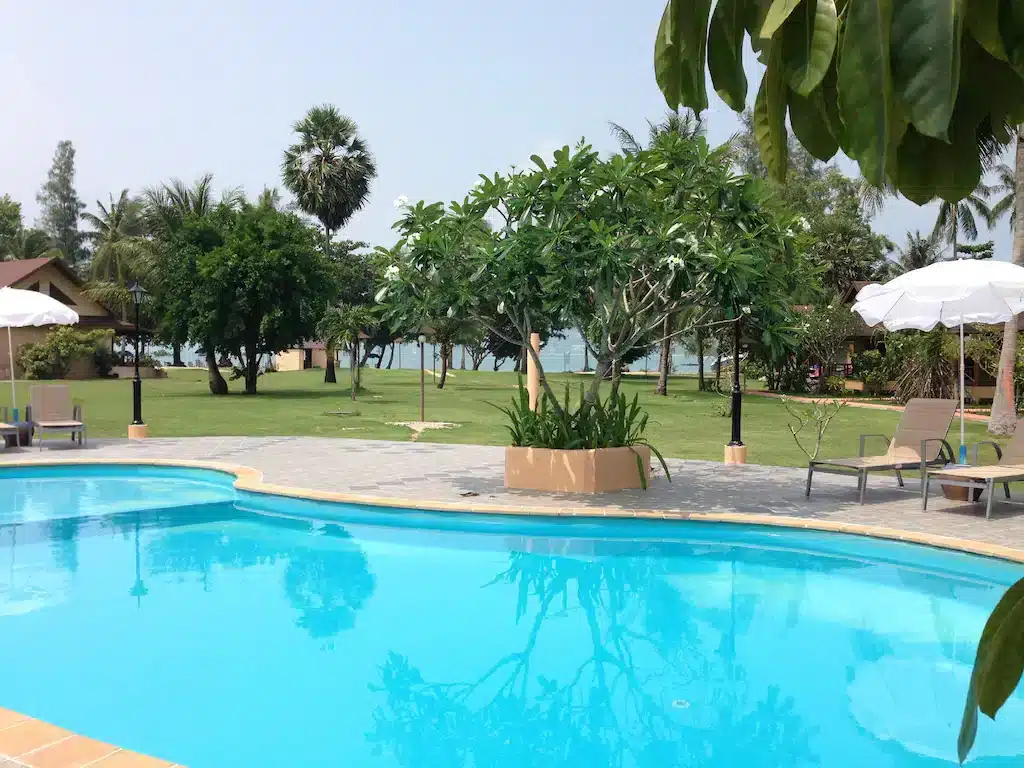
[(471, 473)]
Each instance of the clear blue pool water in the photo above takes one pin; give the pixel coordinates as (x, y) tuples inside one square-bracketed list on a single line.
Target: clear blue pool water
[(153, 609)]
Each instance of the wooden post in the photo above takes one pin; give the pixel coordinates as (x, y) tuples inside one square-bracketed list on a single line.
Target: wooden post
[(532, 373)]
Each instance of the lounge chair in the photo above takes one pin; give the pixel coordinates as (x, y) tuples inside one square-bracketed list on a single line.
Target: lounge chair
[(918, 443), (1008, 469), (52, 411)]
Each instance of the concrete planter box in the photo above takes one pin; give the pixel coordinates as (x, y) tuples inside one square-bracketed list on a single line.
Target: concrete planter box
[(584, 471)]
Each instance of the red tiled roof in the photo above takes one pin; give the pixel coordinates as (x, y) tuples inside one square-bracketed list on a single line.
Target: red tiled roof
[(13, 271)]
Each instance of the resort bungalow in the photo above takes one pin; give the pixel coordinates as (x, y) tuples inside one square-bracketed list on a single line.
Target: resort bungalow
[(55, 279)]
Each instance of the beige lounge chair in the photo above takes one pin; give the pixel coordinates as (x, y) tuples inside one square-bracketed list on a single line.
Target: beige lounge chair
[(918, 443), (52, 411), (1008, 469)]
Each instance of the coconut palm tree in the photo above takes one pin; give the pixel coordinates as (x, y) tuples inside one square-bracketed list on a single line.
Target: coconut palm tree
[(1005, 185), (920, 251), (120, 252), (686, 123), (959, 220), (329, 170)]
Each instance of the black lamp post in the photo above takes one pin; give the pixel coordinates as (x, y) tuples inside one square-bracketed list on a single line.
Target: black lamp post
[(737, 395), (138, 294), (423, 370)]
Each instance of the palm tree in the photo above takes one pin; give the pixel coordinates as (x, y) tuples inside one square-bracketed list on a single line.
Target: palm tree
[(687, 124), (960, 218), (164, 209), (329, 170), (341, 326), (31, 244), (120, 252), (1010, 184), (920, 251)]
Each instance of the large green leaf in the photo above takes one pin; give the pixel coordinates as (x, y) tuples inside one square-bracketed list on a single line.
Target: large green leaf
[(770, 116), (754, 14), (866, 102), (807, 116), (982, 20), (926, 61), (810, 44), (725, 53), (999, 655), (1011, 30), (778, 12), (679, 53)]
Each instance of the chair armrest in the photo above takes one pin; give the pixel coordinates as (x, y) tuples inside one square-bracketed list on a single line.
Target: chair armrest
[(999, 451), (945, 446), (863, 438)]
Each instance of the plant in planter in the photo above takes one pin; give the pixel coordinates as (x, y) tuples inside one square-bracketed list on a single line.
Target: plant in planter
[(588, 447)]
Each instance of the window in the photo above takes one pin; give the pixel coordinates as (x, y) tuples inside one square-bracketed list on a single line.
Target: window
[(33, 287), (60, 296)]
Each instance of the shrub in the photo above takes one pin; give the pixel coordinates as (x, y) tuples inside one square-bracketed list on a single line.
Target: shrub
[(835, 385), (614, 423), (874, 370), (53, 357)]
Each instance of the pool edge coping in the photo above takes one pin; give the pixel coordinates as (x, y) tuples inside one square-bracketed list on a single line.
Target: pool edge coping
[(250, 479)]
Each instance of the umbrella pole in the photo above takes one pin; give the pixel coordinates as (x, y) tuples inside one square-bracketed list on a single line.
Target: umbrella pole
[(10, 360), (963, 442)]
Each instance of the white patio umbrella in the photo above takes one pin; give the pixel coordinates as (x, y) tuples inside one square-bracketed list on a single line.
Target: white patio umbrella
[(19, 309), (951, 293)]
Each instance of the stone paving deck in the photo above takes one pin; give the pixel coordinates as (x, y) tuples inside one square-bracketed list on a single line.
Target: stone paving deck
[(435, 473)]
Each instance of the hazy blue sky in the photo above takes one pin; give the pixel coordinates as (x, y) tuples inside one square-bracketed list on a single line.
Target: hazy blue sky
[(442, 91)]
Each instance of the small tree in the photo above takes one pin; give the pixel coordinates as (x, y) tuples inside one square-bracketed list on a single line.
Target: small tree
[(825, 334), (341, 326)]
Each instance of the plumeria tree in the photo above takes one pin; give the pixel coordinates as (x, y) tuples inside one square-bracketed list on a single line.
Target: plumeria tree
[(612, 247)]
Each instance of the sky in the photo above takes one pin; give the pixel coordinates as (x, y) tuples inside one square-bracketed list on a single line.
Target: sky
[(441, 91)]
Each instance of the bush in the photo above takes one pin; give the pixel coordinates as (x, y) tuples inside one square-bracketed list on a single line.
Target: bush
[(53, 357), (105, 360), (835, 385), (614, 423)]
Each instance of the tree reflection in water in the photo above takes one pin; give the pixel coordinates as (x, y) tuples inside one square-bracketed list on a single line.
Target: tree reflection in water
[(620, 700)]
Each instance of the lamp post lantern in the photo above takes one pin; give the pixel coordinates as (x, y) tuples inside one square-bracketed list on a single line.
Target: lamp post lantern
[(137, 429), (423, 370)]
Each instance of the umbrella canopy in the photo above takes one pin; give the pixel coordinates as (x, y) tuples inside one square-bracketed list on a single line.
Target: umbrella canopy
[(950, 293), (19, 309)]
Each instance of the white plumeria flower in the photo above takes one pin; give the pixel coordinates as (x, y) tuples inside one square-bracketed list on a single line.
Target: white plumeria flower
[(501, 307), (392, 274), (804, 223), (401, 202), (412, 239), (790, 233)]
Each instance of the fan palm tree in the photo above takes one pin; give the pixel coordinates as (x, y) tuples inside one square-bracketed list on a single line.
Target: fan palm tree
[(329, 170)]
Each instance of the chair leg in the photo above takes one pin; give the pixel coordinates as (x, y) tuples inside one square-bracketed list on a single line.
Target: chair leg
[(899, 478), (863, 485), (1006, 489), (810, 476), (991, 495), (924, 493)]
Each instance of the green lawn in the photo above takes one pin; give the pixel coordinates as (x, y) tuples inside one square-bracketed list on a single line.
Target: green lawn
[(686, 424)]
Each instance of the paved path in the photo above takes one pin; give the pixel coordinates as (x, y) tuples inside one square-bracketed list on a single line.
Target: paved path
[(468, 473)]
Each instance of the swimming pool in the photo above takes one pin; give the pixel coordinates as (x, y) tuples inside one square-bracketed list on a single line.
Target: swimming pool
[(161, 610)]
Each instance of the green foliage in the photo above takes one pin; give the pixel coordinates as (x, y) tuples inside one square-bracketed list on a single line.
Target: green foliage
[(589, 424), (53, 357), (60, 205), (10, 225), (340, 326), (834, 385), (918, 92), (998, 665), (874, 369), (924, 364), (984, 347), (824, 335)]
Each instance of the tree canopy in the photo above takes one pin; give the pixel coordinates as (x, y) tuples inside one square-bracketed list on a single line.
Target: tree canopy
[(896, 86)]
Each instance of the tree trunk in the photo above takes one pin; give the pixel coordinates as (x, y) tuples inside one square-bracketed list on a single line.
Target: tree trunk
[(477, 362), (665, 359), (701, 384), (1004, 404), (176, 355), (718, 373), (616, 379), (586, 357), (217, 384), (391, 357), (353, 369), (462, 362), (330, 374), (252, 370), (446, 353)]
